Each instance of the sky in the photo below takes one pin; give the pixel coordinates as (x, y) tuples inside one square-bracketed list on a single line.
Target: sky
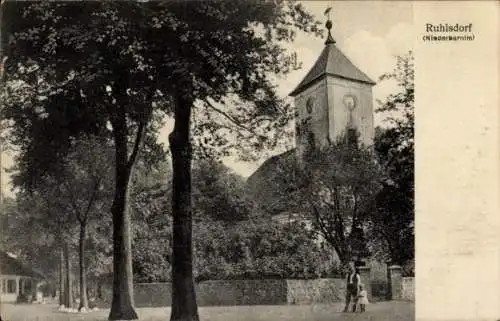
[(369, 33)]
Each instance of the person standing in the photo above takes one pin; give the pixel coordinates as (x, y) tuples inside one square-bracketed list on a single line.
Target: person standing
[(353, 281), (362, 298)]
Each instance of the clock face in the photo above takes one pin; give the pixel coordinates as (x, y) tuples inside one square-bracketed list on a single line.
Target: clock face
[(350, 102), (310, 105)]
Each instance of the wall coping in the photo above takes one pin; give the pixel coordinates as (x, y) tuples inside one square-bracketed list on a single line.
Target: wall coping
[(239, 280)]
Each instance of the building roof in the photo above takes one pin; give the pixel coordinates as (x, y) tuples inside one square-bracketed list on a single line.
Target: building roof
[(12, 266), (332, 62)]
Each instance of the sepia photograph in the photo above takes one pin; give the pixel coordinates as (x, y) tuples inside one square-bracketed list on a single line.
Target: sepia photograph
[(207, 160)]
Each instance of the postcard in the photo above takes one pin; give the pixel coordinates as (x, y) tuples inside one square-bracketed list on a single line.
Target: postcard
[(250, 160)]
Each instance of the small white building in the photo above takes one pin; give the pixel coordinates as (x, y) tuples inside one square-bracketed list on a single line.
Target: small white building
[(18, 282)]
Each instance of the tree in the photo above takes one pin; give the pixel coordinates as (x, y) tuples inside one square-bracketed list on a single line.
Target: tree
[(7, 210), (400, 106), (126, 78), (22, 237), (64, 100), (218, 200), (39, 227), (99, 253), (256, 249), (392, 222), (222, 71), (81, 191), (335, 188), (151, 224), (84, 179), (78, 193)]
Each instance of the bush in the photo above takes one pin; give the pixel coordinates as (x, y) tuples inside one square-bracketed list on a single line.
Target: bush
[(264, 250), (408, 269)]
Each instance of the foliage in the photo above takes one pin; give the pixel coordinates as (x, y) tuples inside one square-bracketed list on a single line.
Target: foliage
[(219, 201), (335, 188), (218, 193), (7, 216), (99, 248), (61, 205), (400, 106), (393, 221), (31, 226), (96, 51), (227, 244), (409, 268), (262, 249), (151, 224), (86, 178)]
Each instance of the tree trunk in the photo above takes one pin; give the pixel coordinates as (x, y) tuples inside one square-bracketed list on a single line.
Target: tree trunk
[(68, 295), (123, 300), (61, 277), (344, 250), (84, 303), (184, 306)]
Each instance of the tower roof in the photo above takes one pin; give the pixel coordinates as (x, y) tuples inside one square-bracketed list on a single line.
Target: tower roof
[(332, 62)]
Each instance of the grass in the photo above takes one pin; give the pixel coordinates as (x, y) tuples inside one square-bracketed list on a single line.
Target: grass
[(382, 311)]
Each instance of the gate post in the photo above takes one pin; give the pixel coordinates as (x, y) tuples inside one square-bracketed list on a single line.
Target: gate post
[(395, 282)]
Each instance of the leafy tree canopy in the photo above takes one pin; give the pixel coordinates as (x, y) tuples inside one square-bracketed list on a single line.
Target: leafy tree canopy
[(68, 64), (393, 221)]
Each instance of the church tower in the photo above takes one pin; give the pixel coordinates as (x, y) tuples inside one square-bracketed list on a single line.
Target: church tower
[(333, 100)]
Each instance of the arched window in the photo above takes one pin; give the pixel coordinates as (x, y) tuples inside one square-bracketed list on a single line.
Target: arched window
[(352, 136)]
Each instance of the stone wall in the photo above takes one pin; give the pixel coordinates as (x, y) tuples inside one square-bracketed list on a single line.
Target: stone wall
[(241, 292), (315, 291), (208, 293), (152, 294), (408, 289)]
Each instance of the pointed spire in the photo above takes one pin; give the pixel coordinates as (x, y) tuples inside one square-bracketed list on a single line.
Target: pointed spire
[(331, 62)]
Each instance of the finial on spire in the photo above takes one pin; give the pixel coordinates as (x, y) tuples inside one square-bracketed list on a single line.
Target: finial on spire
[(329, 25)]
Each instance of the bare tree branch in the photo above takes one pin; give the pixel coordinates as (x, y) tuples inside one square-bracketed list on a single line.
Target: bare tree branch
[(231, 118)]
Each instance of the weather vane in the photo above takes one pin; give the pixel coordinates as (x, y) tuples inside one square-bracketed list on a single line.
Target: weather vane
[(327, 12)]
